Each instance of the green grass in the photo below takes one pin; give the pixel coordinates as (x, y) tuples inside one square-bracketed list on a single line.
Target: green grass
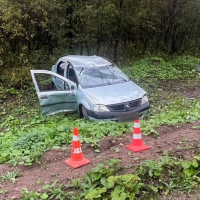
[(152, 73), (24, 141), (155, 68), (25, 134), (10, 176), (176, 112)]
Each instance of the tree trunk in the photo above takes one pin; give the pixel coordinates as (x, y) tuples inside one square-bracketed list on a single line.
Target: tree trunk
[(116, 50)]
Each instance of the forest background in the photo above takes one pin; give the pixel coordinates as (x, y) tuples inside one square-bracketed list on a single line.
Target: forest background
[(34, 32)]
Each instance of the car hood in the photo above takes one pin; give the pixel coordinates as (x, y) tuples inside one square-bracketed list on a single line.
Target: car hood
[(113, 94)]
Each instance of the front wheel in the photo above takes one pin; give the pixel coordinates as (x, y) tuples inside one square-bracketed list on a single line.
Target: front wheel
[(84, 112)]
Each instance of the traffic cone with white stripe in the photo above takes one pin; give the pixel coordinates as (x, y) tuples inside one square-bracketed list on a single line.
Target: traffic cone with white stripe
[(137, 143), (77, 159)]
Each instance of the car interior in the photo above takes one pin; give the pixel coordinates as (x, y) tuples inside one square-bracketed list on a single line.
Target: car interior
[(72, 75)]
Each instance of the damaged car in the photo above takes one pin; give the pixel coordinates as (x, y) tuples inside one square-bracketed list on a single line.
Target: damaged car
[(91, 85)]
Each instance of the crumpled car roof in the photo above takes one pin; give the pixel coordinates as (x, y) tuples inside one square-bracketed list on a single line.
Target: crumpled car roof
[(85, 61)]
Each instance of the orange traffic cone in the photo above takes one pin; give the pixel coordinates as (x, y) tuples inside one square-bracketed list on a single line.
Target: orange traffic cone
[(137, 143), (77, 159)]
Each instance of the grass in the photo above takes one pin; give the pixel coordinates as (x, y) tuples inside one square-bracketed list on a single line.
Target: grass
[(25, 134), (24, 140), (10, 176), (176, 112)]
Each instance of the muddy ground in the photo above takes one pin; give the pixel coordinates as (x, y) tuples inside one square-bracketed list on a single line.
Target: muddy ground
[(182, 140), (189, 89)]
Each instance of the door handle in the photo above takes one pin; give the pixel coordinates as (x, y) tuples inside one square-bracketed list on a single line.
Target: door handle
[(43, 97)]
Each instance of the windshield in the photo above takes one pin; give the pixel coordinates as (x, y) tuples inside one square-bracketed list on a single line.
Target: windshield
[(100, 76)]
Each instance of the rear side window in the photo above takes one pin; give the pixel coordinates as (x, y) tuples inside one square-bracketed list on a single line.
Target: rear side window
[(61, 68)]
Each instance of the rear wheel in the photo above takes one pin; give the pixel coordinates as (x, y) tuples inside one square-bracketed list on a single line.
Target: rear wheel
[(84, 112)]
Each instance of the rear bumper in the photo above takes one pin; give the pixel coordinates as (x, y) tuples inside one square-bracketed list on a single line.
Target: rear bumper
[(142, 111)]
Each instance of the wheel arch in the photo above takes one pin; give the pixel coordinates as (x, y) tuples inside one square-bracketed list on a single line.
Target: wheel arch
[(80, 110), (80, 104)]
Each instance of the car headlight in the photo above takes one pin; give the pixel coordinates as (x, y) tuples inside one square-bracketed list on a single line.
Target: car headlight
[(144, 99), (100, 108)]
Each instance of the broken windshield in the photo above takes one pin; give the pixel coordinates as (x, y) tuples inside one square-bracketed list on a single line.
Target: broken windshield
[(100, 76)]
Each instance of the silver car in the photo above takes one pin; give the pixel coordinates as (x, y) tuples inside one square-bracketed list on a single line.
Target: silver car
[(91, 85)]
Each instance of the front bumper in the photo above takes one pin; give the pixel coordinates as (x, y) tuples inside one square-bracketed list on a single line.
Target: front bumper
[(142, 111)]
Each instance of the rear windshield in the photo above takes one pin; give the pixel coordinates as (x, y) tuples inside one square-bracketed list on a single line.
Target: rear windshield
[(100, 76)]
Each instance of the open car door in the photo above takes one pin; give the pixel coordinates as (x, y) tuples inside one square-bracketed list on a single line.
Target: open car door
[(51, 99)]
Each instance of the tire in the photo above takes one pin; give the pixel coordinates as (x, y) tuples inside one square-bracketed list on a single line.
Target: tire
[(85, 114)]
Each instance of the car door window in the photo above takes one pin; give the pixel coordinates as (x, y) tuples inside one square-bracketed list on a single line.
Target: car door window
[(44, 82), (61, 68)]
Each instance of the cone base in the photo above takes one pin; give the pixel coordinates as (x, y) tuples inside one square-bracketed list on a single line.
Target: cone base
[(75, 164), (137, 148)]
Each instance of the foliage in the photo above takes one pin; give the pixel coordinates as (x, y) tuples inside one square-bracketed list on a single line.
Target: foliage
[(25, 135), (3, 191), (10, 176), (149, 179), (15, 78), (155, 69), (21, 23), (30, 32), (175, 112), (119, 187), (34, 34), (26, 140), (152, 73), (167, 174), (50, 192)]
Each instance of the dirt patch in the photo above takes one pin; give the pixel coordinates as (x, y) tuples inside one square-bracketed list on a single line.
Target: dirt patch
[(178, 195), (189, 89), (182, 140)]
